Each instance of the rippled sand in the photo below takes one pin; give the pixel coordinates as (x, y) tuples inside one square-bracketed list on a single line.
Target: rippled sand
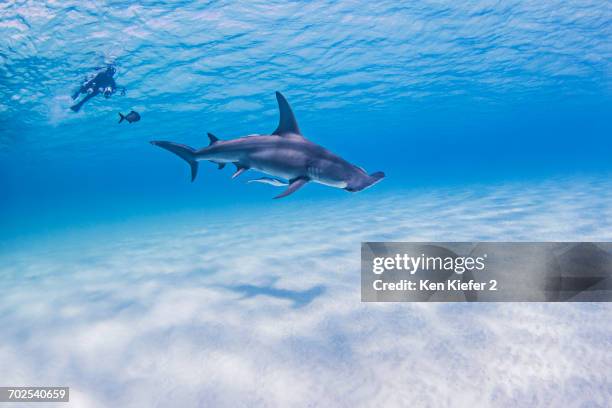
[(263, 309)]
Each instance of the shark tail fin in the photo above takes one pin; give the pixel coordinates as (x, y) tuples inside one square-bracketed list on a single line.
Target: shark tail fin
[(184, 152), (121, 117)]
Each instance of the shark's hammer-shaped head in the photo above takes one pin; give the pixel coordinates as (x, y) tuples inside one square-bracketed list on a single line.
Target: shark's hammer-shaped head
[(360, 180)]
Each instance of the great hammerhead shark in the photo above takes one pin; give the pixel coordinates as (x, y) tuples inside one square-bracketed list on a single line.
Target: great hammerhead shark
[(285, 153)]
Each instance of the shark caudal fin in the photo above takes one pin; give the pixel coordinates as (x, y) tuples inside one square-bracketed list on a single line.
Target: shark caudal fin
[(184, 152)]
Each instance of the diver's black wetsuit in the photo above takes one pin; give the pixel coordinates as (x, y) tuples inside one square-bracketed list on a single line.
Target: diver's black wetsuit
[(102, 83)]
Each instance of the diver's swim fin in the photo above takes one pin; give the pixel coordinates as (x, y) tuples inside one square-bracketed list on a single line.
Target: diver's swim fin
[(76, 107), (184, 152)]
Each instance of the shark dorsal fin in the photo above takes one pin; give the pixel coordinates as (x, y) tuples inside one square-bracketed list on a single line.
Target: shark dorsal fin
[(287, 124), (213, 139)]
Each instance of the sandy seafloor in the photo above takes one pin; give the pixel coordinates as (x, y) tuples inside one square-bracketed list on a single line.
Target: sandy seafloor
[(263, 308)]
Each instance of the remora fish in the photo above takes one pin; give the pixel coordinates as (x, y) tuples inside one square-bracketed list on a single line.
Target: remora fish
[(285, 153)]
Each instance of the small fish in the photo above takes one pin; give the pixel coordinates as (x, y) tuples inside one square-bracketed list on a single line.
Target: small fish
[(133, 116)]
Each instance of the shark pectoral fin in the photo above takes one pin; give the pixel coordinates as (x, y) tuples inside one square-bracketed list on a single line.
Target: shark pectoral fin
[(287, 124), (239, 171), (221, 165), (269, 180), (293, 187)]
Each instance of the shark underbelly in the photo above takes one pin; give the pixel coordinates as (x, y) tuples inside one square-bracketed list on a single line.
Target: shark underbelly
[(292, 169), (331, 183), (318, 175), (312, 174)]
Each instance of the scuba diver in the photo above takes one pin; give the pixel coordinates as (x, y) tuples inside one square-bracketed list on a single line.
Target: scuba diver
[(102, 83)]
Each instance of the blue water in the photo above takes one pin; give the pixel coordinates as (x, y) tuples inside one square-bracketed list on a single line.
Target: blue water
[(490, 119), (433, 93)]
